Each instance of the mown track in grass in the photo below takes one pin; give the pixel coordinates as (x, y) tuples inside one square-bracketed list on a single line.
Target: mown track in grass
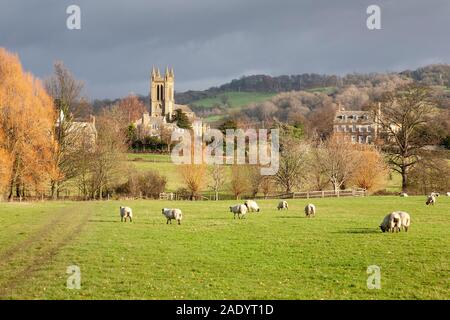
[(19, 262)]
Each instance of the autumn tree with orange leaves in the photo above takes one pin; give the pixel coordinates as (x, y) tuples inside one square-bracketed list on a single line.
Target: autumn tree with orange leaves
[(371, 171), (26, 126)]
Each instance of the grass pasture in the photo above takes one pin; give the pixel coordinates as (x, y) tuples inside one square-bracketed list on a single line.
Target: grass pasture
[(270, 255), (235, 99)]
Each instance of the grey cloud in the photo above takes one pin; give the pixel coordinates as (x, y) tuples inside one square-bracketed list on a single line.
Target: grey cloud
[(209, 42)]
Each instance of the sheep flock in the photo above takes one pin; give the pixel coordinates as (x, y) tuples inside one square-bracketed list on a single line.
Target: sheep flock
[(393, 222)]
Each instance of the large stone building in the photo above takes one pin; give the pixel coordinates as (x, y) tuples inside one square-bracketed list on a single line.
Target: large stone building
[(163, 107), (77, 131), (355, 126)]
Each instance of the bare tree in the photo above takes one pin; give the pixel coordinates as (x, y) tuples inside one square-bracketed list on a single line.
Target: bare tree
[(337, 160), (66, 92), (108, 156), (318, 177), (193, 176), (239, 180), (267, 185), (405, 119), (293, 161), (217, 173)]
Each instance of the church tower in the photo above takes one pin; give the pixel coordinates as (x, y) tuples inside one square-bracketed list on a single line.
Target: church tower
[(162, 93)]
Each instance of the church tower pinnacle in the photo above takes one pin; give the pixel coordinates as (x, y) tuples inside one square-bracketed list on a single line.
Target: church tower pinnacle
[(162, 93)]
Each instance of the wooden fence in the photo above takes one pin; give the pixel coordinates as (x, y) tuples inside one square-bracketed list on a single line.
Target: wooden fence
[(320, 194), (175, 196)]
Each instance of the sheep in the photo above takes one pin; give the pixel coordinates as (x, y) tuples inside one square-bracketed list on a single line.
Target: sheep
[(239, 210), (172, 214), (403, 194), (283, 205), (405, 220), (431, 200), (126, 212), (448, 194), (251, 206), (310, 210), (435, 194), (391, 223)]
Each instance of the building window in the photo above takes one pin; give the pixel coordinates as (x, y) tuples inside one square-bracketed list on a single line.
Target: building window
[(369, 139), (353, 139), (361, 139)]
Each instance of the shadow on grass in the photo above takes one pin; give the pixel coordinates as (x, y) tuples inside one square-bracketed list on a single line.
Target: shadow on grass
[(359, 230), (292, 217), (105, 221)]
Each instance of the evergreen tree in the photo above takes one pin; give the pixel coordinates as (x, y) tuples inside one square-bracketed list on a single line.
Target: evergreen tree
[(182, 120)]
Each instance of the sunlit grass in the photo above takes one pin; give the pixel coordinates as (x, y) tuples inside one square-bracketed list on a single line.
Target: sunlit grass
[(270, 255)]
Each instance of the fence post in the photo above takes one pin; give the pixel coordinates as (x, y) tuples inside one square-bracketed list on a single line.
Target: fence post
[(307, 194), (323, 194)]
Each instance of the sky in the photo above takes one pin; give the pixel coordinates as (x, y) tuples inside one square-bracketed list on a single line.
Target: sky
[(210, 42)]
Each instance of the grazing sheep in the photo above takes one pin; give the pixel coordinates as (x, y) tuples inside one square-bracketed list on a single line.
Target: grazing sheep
[(126, 212), (239, 209), (391, 223), (310, 210), (405, 220), (403, 194), (251, 206), (431, 200), (283, 205), (172, 214), (448, 194), (435, 194)]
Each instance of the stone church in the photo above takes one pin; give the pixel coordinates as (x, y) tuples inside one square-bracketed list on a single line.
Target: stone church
[(163, 107)]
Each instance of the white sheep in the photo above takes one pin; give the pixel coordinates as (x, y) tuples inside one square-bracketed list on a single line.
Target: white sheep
[(310, 210), (391, 222), (126, 212), (405, 220), (431, 200), (435, 194), (240, 210), (283, 205), (172, 214), (448, 194), (251, 206), (403, 194)]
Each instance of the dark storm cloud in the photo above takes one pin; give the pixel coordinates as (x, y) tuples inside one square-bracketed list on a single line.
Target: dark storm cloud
[(209, 42)]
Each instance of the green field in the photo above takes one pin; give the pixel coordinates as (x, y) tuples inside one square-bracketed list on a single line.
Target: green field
[(163, 165), (269, 255), (326, 90), (235, 99)]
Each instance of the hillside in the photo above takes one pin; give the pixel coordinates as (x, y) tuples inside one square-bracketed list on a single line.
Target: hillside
[(257, 88)]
